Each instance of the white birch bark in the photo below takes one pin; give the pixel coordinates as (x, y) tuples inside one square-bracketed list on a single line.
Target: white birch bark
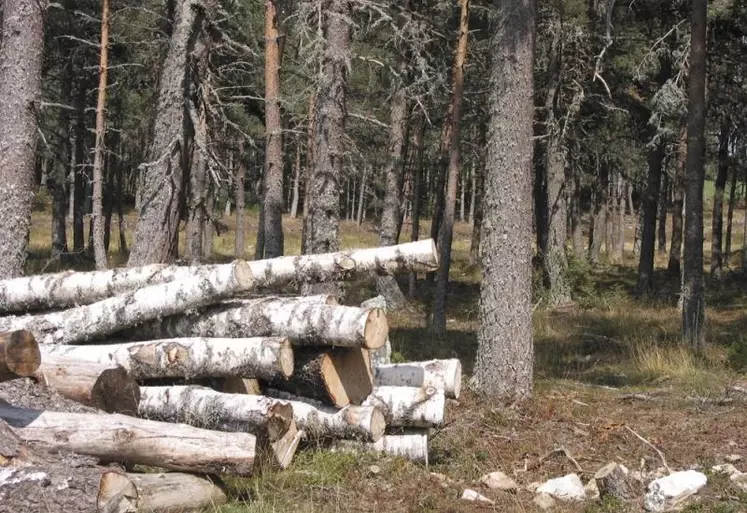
[(442, 374), (303, 322), (114, 437), (263, 358), (412, 446), (105, 317), (409, 406), (382, 355), (206, 408)]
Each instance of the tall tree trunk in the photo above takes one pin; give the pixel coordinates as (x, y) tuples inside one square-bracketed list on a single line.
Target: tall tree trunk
[(463, 183), (663, 210), (577, 239), (79, 186), (362, 197), (156, 235), (503, 366), (474, 246), (59, 176), (446, 232), (730, 215), (120, 204), (111, 170), (297, 181), (417, 193), (693, 299), (648, 229), (599, 221), (21, 55), (717, 226), (678, 185), (440, 177), (99, 250), (322, 225), (309, 167), (744, 233), (197, 185), (392, 211), (240, 249), (273, 177)]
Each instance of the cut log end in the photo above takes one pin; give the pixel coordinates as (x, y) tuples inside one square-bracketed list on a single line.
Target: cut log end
[(20, 354), (235, 385), (377, 329), (242, 272), (378, 424), (117, 493), (285, 358), (456, 386), (116, 392), (348, 376), (434, 251), (280, 420)]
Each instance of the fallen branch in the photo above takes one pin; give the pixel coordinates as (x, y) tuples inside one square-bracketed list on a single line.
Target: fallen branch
[(661, 455)]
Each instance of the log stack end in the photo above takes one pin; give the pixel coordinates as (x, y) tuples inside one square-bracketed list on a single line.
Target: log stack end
[(19, 355), (377, 329)]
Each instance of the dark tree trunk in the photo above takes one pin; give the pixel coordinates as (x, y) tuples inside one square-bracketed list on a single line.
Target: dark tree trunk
[(120, 204), (309, 164), (616, 216), (111, 170), (730, 216), (273, 177), (417, 191), (393, 176), (577, 239), (20, 91), (474, 246), (717, 226), (599, 221), (503, 367), (156, 235), (693, 299), (322, 225), (61, 168), (663, 210), (648, 229), (297, 183), (446, 232), (678, 185), (79, 187), (197, 184), (240, 250)]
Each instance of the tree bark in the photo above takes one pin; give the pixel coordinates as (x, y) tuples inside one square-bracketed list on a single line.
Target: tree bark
[(79, 170), (264, 358), (717, 222), (273, 179), (693, 299), (20, 92), (322, 224), (120, 312), (614, 480), (197, 184), (323, 422), (503, 366), (205, 408), (413, 446), (675, 249), (61, 168), (99, 249), (104, 386), (156, 235), (19, 355), (393, 177), (115, 437), (297, 182), (406, 406), (730, 216), (663, 211), (303, 322), (577, 240), (337, 376), (648, 229), (240, 249), (444, 375), (446, 231), (309, 161), (599, 221)]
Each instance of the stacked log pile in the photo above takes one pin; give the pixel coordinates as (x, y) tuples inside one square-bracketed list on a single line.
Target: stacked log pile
[(189, 370)]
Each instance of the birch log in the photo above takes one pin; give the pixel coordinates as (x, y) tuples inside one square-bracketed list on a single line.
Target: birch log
[(382, 355), (442, 374), (413, 446), (304, 323), (172, 492), (265, 358), (107, 387), (336, 376), (344, 265), (366, 423), (117, 313), (114, 437), (409, 406), (206, 408), (19, 355)]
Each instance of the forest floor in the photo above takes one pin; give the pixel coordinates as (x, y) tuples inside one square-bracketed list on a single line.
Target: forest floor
[(606, 369)]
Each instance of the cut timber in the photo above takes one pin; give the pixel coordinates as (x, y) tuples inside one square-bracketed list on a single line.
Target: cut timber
[(342, 266), (114, 437), (206, 408), (158, 493), (337, 376), (301, 321), (382, 355), (234, 385), (614, 479), (442, 374), (265, 358), (32, 480), (279, 454), (107, 387), (19, 355), (410, 406), (315, 299), (413, 446), (117, 313), (366, 423)]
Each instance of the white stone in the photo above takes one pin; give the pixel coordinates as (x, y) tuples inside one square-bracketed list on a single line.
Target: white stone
[(726, 469), (374, 469), (740, 481), (471, 495), (668, 492), (592, 490), (544, 501), (733, 458), (498, 481), (566, 488)]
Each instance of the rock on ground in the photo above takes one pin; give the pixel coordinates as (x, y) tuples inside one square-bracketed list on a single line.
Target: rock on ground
[(567, 488), (471, 495), (499, 481), (544, 501), (668, 492)]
